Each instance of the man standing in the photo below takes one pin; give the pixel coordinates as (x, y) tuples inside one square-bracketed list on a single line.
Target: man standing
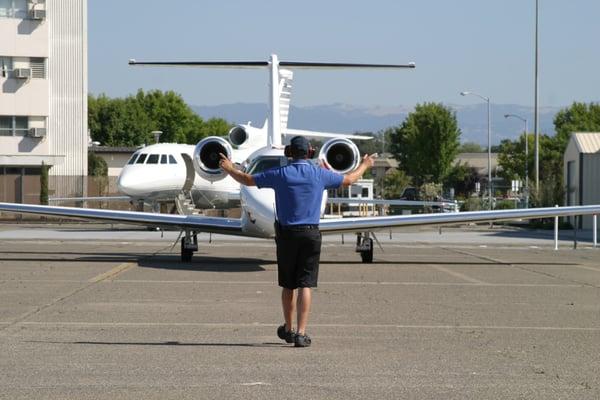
[(298, 190)]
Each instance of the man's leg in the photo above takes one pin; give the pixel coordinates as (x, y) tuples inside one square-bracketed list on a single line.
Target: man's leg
[(304, 302), (288, 304)]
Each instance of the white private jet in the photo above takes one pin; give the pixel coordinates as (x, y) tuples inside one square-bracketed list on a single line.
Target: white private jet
[(163, 172), (257, 219), (158, 173)]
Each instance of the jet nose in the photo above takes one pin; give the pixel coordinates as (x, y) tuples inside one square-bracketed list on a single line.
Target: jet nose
[(127, 183)]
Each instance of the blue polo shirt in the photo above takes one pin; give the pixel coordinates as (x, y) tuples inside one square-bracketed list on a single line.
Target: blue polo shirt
[(298, 190)]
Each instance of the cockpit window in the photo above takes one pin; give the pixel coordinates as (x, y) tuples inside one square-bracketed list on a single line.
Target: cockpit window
[(141, 159), (172, 159), (132, 159), (163, 159), (265, 163), (152, 159)]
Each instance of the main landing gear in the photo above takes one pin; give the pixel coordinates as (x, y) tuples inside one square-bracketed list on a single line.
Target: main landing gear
[(364, 246), (189, 244)]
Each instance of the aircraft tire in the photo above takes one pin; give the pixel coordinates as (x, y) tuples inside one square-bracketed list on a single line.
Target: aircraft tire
[(186, 255), (367, 255)]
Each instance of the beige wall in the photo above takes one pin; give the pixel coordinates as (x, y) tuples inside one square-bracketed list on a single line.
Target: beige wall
[(115, 161), (24, 37)]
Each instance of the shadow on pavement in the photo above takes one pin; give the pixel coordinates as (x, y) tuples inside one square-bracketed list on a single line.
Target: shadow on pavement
[(437, 262), (169, 343), (201, 263), (563, 235), (54, 256)]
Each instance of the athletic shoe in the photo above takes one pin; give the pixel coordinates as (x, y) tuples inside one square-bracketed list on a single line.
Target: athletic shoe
[(301, 340), (283, 334)]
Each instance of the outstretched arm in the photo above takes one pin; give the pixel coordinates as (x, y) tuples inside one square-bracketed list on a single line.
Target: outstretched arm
[(239, 176), (367, 162)]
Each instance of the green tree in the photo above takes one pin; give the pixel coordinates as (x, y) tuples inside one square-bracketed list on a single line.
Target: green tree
[(579, 117), (471, 147), (96, 165), (98, 169), (211, 127), (462, 177), (394, 183), (44, 184), (427, 142), (129, 121), (511, 158)]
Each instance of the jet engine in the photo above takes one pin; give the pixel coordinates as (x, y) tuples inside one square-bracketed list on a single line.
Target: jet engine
[(206, 157), (340, 155), (245, 135)]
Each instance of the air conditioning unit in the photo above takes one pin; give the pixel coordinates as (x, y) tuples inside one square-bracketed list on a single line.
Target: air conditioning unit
[(22, 73), (38, 14), (37, 132)]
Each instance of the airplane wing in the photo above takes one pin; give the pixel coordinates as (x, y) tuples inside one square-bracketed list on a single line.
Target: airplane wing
[(387, 202), (92, 198), (314, 134), (229, 226), (377, 223)]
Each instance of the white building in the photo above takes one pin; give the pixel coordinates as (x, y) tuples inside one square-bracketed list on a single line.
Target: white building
[(43, 97), (581, 173)]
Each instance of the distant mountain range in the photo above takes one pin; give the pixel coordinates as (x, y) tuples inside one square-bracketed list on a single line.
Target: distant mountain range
[(472, 119)]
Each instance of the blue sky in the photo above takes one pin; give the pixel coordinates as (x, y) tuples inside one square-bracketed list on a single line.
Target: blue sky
[(480, 45)]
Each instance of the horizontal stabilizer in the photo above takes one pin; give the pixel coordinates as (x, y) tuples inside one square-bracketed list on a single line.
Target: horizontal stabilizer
[(324, 65), (263, 64), (327, 135), (208, 64)]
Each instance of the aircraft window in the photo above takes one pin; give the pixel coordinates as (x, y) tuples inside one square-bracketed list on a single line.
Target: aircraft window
[(163, 159), (172, 159), (263, 164), (132, 159), (152, 159), (141, 159)]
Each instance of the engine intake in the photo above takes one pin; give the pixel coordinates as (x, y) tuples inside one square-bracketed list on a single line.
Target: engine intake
[(246, 136), (340, 155), (206, 157), (238, 135)]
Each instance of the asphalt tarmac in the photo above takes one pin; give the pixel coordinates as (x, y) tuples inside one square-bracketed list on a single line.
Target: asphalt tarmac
[(87, 312)]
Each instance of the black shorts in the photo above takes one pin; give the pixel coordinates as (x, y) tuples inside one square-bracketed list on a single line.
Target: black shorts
[(298, 253)]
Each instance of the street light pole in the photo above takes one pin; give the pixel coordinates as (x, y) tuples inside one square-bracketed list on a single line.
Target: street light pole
[(526, 156), (489, 135), (536, 118)]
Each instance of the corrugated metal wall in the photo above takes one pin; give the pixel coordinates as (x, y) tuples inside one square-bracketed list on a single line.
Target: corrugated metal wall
[(591, 184), (67, 75)]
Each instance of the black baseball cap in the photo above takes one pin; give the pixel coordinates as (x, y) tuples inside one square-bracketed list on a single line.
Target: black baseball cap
[(299, 145)]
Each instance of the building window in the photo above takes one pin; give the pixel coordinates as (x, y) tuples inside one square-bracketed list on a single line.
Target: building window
[(36, 64), (5, 65), (6, 126), (38, 67), (13, 125), (13, 8)]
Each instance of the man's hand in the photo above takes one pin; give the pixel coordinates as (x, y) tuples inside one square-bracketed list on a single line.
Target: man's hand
[(236, 174), (369, 160), (226, 163)]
